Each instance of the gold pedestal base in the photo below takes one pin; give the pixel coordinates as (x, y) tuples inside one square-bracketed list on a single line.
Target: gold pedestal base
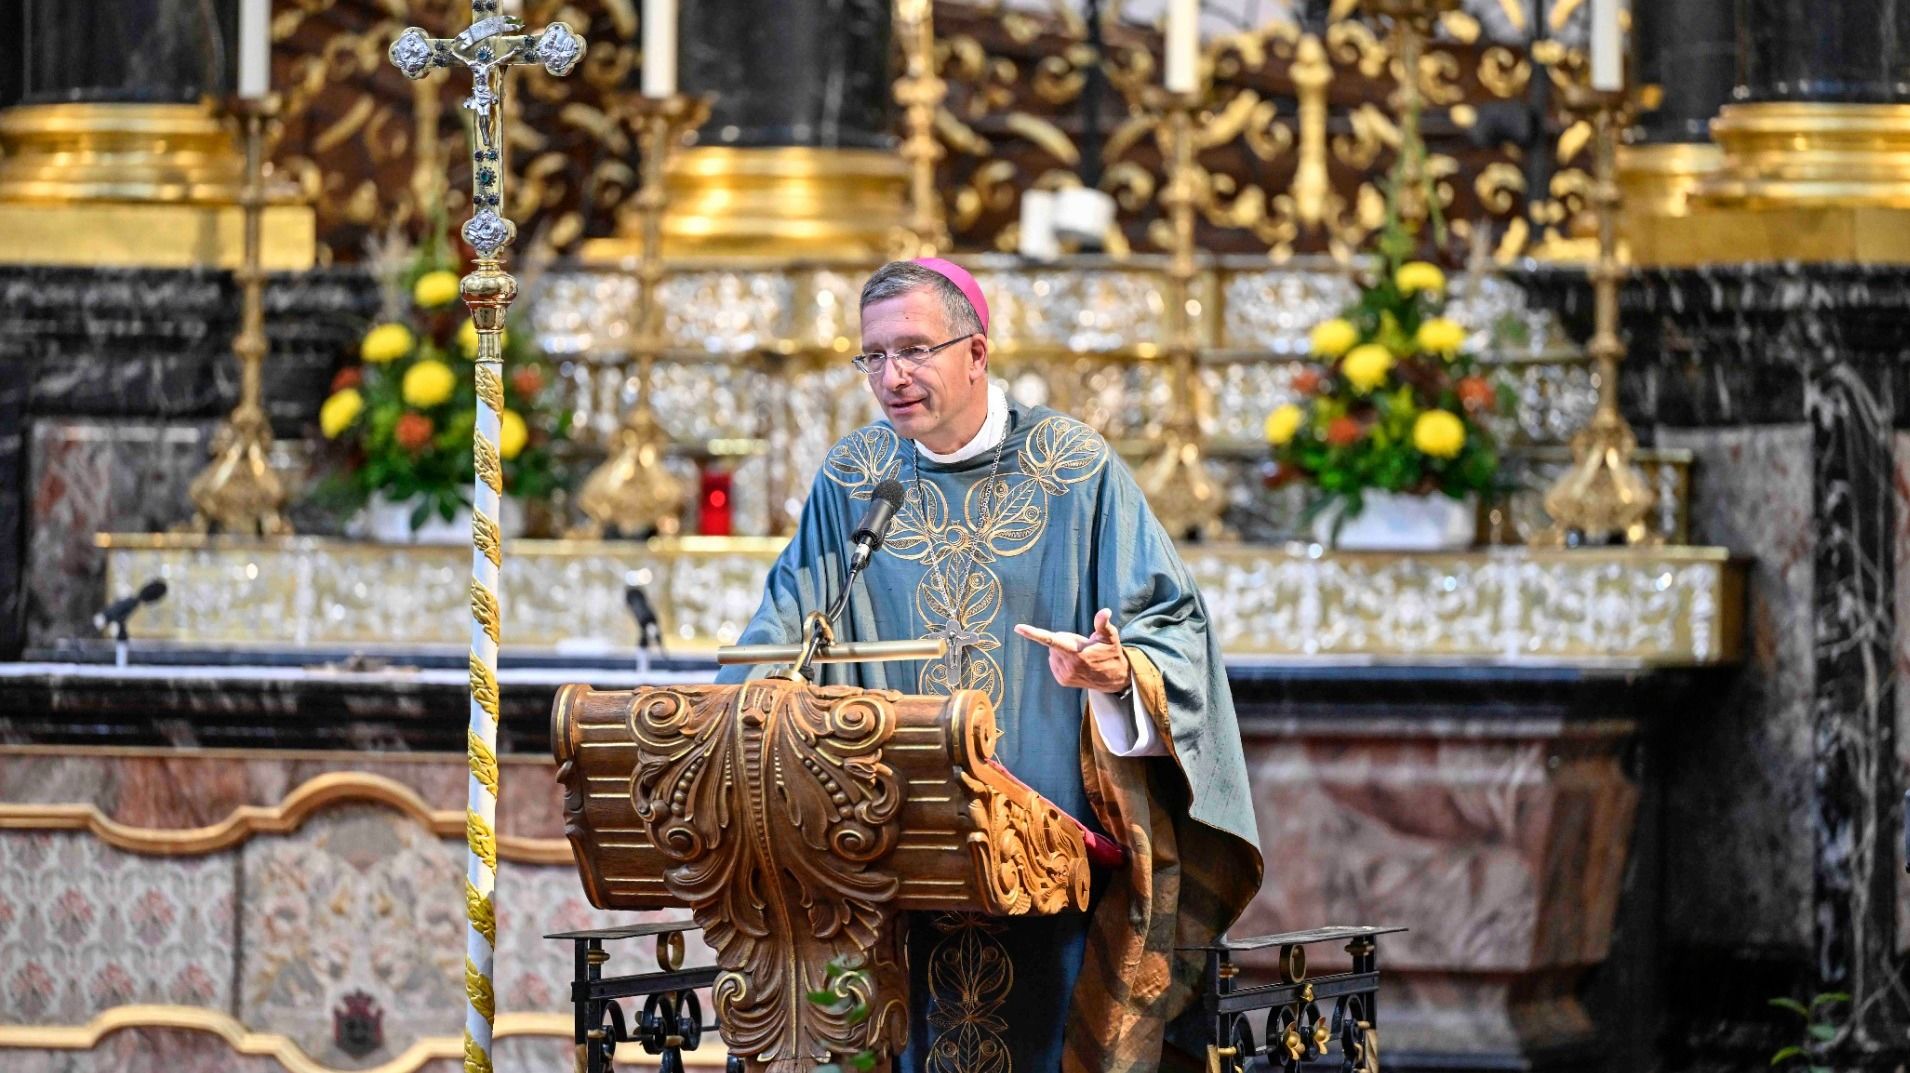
[(1794, 182), (777, 203), (134, 185), (1656, 181)]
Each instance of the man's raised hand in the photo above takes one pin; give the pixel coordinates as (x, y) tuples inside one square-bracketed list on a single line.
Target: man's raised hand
[(1095, 662)]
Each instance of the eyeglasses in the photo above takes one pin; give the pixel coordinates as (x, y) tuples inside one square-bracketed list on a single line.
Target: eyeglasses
[(911, 357)]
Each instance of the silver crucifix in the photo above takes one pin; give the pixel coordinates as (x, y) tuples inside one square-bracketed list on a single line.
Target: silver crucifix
[(492, 43)]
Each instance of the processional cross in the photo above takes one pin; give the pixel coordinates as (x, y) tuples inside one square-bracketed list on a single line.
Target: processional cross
[(493, 43)]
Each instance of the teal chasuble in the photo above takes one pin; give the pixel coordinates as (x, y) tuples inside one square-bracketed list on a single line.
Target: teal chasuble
[(1061, 531)]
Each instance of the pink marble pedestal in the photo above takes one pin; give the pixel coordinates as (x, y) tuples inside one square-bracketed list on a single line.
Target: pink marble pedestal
[(1500, 841)]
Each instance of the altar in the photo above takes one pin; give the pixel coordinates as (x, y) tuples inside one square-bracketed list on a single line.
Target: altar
[(1618, 745)]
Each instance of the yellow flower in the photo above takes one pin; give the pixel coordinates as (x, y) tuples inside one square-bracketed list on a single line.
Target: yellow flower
[(339, 411), (1439, 433), (1331, 338), (1282, 423), (428, 383), (468, 338), (435, 289), (1416, 276), (1441, 336), (386, 343), (1365, 367), (511, 434)]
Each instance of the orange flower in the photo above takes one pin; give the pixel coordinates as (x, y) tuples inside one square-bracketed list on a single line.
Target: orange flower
[(1344, 432), (349, 376), (527, 382), (1476, 395), (413, 432), (1306, 381)]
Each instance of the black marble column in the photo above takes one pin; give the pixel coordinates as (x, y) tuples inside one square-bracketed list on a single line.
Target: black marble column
[(1852, 51), (121, 374), (1793, 384), (1688, 49), (790, 72), (125, 51)]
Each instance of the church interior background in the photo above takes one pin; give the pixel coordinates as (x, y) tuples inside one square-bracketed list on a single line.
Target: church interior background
[(1623, 753)]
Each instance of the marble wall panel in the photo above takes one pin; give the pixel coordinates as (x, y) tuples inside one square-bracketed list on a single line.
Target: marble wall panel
[(87, 476), (1500, 845), (1743, 873)]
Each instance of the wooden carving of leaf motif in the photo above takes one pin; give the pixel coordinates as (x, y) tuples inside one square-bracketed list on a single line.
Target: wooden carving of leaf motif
[(778, 805)]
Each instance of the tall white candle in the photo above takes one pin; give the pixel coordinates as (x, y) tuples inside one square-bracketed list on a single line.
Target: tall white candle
[(659, 48), (255, 48), (1608, 47), (1183, 45)]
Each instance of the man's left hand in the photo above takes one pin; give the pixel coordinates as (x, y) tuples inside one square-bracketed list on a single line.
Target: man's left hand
[(1095, 662)]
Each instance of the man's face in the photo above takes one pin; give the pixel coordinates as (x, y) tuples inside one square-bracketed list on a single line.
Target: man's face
[(942, 402)]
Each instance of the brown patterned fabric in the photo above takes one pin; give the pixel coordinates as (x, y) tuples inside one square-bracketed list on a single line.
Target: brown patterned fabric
[(1185, 884)]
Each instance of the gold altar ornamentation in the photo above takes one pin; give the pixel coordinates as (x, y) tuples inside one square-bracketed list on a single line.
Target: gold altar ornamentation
[(1603, 497), (137, 185), (1662, 606), (489, 47), (239, 491), (631, 491), (245, 822), (1178, 486), (1794, 181), (796, 821), (920, 91)]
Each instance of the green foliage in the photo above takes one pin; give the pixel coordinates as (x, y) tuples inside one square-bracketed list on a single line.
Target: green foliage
[(382, 451), (1820, 1030), (844, 977)]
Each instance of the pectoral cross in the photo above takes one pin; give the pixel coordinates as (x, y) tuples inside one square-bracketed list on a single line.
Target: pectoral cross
[(955, 661), (492, 43)]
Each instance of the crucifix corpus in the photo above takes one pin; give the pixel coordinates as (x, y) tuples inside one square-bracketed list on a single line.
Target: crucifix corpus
[(493, 43)]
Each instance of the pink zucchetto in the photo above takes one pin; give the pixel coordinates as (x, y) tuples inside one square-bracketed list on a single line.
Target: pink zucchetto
[(963, 282)]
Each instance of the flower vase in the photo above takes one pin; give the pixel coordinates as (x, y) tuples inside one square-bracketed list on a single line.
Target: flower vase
[(388, 521), (1395, 521)]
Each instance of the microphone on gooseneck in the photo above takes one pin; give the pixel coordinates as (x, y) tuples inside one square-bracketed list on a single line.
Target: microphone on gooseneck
[(873, 529)]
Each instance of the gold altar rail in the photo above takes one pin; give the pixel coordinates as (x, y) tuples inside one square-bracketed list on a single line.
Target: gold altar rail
[(1669, 606)]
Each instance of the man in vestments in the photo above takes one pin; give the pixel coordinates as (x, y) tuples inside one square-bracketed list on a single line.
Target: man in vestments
[(1026, 544)]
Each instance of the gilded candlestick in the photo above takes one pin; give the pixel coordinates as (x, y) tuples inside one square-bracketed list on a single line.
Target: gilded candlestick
[(632, 491), (1179, 488), (920, 92), (1603, 497), (240, 492)]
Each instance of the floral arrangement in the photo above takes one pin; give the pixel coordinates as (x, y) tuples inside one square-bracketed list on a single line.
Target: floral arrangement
[(403, 415), (1393, 401)]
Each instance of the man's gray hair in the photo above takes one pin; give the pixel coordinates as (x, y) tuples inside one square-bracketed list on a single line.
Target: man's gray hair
[(897, 278)]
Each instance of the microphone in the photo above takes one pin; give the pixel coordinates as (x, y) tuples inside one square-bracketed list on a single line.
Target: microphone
[(116, 613), (873, 529), (649, 630)]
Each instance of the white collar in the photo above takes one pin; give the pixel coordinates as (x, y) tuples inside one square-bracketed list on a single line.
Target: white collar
[(994, 427)]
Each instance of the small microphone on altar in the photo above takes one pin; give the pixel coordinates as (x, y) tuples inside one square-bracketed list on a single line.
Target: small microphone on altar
[(873, 529), (115, 614), (649, 629)]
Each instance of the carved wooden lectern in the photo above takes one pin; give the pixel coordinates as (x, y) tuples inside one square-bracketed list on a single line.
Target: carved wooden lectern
[(796, 821)]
